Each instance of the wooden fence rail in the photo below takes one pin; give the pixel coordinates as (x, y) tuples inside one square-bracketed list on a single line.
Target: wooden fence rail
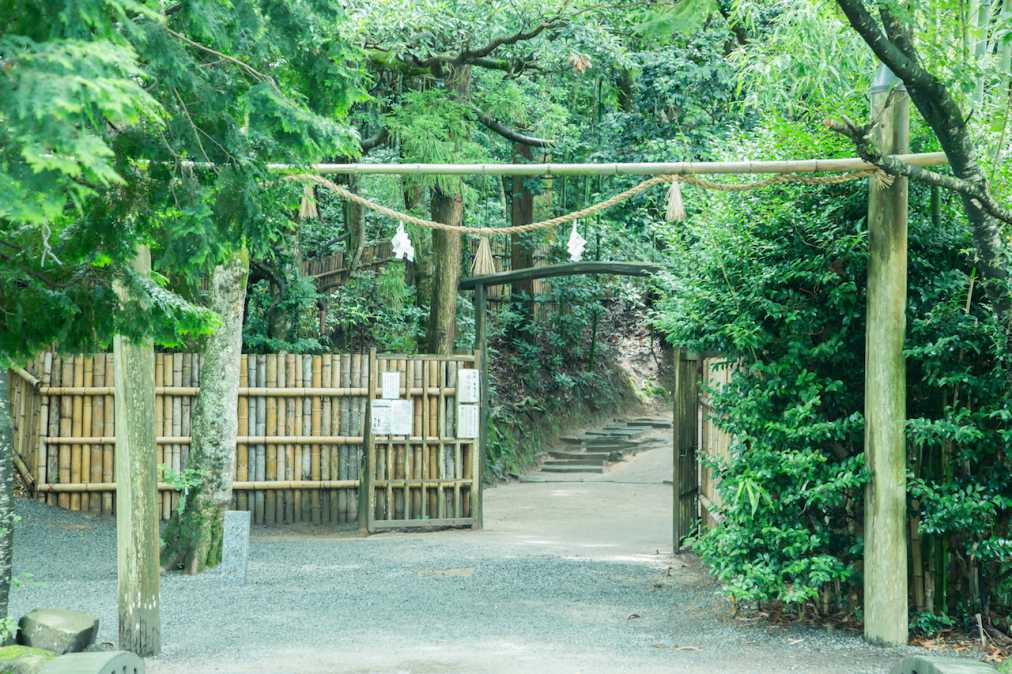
[(302, 433)]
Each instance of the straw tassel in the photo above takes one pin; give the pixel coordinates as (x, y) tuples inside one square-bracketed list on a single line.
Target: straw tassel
[(676, 209), (307, 209), (484, 262)]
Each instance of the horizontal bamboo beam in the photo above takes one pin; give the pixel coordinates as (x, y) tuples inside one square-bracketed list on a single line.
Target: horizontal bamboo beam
[(79, 488), (566, 269), (401, 483), (456, 357), (241, 440), (617, 168), (249, 391), (264, 440), (421, 524)]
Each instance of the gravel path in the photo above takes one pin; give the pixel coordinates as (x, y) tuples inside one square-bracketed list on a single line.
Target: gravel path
[(565, 578)]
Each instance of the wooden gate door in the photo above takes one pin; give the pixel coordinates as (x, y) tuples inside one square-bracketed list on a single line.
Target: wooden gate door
[(424, 463), (686, 430)]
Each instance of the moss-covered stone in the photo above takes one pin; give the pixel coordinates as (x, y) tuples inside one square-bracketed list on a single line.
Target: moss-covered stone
[(23, 659)]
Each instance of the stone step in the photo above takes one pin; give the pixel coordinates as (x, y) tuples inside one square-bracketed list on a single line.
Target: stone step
[(590, 451), (612, 442), (569, 454), (649, 424), (578, 461), (617, 433), (572, 469)]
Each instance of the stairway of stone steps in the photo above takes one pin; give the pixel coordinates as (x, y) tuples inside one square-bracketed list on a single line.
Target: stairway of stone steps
[(592, 450)]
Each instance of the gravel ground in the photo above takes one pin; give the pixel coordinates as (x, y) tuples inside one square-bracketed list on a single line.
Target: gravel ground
[(565, 578)]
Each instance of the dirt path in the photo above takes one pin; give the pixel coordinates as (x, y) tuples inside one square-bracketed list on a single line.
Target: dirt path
[(566, 577)]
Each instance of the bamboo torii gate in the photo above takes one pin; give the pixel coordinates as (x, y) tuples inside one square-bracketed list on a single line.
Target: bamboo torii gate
[(885, 564), (885, 585)]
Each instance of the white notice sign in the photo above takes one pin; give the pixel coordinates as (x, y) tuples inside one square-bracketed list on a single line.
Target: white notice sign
[(467, 386), (467, 421), (401, 412), (380, 417), (391, 385)]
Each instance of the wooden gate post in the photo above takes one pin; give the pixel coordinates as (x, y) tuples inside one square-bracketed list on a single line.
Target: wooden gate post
[(885, 535), (137, 534), (367, 466), (481, 356), (685, 440)]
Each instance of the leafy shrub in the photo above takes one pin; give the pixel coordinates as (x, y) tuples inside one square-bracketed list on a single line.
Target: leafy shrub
[(374, 308), (776, 282)]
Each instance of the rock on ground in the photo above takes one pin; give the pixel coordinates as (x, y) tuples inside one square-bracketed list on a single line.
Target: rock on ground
[(57, 630)]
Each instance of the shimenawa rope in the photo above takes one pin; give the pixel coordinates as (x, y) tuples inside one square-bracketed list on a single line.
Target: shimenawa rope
[(345, 193)]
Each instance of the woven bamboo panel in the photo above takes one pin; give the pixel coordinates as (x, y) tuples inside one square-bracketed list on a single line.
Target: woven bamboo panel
[(301, 425)]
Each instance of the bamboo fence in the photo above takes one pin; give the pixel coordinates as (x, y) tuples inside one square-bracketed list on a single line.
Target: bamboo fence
[(330, 271), (714, 442), (302, 435)]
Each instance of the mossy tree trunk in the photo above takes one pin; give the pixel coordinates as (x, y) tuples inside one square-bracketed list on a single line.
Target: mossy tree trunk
[(521, 249), (193, 537), (6, 490), (447, 207), (136, 488)]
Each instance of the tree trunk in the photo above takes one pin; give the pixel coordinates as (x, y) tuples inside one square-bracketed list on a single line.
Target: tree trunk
[(448, 208), (354, 225), (521, 250), (193, 538), (6, 494), (137, 540)]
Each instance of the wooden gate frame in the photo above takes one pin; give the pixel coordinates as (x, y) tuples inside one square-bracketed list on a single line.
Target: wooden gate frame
[(368, 520), (686, 435)]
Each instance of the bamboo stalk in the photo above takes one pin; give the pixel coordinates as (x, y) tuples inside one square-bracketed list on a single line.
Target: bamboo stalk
[(40, 447), (616, 168), (109, 451), (66, 427), (27, 376), (241, 451), (77, 410), (316, 430), (282, 450), (270, 499), (260, 473), (87, 403), (291, 376), (97, 428)]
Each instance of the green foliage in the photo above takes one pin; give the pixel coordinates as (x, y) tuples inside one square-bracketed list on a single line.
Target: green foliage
[(928, 624), (375, 309), (185, 482), (101, 103), (432, 128), (775, 281)]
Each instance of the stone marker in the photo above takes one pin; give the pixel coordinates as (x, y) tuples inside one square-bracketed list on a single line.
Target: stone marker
[(57, 630), (930, 664), (235, 545), (106, 662)]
